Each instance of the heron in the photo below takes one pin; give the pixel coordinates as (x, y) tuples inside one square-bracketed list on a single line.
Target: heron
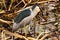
[(25, 16)]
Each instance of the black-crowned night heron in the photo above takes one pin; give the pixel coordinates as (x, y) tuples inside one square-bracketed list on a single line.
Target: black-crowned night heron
[(25, 17)]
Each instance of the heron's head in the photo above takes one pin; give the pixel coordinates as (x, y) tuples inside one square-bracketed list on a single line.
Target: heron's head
[(36, 7)]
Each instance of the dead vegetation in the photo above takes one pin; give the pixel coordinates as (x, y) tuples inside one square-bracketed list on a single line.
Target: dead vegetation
[(48, 20)]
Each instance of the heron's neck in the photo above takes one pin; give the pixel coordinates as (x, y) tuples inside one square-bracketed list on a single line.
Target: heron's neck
[(35, 12)]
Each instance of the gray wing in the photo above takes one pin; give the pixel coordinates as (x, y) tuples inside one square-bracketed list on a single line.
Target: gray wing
[(25, 21), (22, 15)]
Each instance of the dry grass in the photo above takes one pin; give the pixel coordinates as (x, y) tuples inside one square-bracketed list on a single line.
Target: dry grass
[(10, 9)]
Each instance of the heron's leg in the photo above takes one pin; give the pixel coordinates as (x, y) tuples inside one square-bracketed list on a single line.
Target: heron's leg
[(34, 26), (25, 30)]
